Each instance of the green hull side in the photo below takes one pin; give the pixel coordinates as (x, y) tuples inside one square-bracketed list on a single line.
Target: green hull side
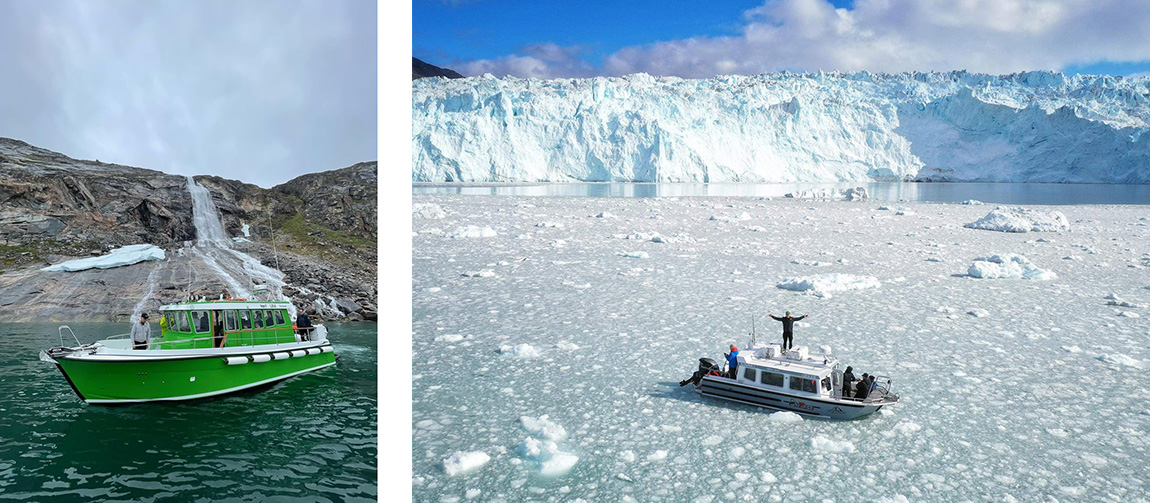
[(137, 381)]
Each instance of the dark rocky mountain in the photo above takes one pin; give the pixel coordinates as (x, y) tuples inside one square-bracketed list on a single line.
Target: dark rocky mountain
[(319, 229), (420, 69)]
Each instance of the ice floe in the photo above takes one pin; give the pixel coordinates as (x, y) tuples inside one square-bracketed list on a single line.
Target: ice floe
[(822, 284), (462, 462), (125, 255), (473, 231), (1008, 266), (484, 273), (1014, 219), (785, 416), (634, 254), (427, 210), (520, 351), (851, 194), (821, 443)]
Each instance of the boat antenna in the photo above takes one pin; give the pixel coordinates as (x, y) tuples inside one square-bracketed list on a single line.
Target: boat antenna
[(752, 330)]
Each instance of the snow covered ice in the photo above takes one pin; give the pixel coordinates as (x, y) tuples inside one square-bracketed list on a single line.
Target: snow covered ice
[(124, 255), (1038, 396), (1009, 219)]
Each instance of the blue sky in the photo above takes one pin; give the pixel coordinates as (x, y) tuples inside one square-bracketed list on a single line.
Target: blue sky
[(568, 38)]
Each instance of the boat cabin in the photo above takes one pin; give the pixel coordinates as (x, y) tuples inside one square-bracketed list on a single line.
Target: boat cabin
[(793, 373), (224, 323)]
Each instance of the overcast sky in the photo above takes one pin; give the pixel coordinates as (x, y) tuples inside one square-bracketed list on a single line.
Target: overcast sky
[(259, 91), (692, 38)]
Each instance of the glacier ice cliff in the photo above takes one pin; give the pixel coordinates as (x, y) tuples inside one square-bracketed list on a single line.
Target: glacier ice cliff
[(820, 127)]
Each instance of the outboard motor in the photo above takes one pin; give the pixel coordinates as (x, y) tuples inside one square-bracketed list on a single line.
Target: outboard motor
[(706, 366)]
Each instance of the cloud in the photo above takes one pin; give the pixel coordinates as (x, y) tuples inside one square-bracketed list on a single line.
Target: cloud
[(992, 36), (542, 61), (256, 91)]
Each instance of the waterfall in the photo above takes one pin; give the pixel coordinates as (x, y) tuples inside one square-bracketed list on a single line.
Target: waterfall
[(240, 271)]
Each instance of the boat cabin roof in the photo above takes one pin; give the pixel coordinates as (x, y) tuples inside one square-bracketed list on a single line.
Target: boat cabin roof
[(812, 365), (216, 305)]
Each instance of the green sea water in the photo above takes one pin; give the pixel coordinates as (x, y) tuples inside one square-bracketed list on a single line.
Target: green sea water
[(309, 438)]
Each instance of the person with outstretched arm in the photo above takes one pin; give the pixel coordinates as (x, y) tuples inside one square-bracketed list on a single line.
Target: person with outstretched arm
[(788, 328)]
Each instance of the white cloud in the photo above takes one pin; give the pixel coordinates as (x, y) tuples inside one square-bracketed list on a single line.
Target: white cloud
[(541, 61), (992, 36)]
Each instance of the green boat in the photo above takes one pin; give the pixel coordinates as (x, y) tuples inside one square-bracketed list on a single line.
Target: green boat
[(204, 349)]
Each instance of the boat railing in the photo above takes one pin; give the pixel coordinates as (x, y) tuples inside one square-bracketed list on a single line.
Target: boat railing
[(69, 329)]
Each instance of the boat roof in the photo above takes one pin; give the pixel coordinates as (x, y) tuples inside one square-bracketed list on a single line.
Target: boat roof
[(212, 305), (819, 365)]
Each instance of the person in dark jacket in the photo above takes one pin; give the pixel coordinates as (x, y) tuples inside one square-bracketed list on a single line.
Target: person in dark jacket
[(848, 381), (862, 389), (733, 361), (872, 385), (788, 328), (303, 325)]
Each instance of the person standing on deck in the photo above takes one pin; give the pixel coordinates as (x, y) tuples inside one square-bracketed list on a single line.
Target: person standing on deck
[(788, 328), (303, 325), (733, 361), (848, 381), (141, 332)]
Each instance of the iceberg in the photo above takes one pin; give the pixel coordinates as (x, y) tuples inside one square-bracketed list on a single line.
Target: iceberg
[(125, 255), (782, 128), (1013, 219)]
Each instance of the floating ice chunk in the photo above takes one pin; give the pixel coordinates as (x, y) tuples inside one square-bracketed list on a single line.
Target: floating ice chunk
[(566, 346), (426, 210), (1114, 300), (973, 202), (978, 313), (731, 218), (907, 427), (658, 455), (1013, 219), (485, 273), (712, 440), (634, 254), (124, 255), (473, 231), (768, 478), (462, 462), (785, 416), (1072, 349), (812, 263), (1008, 266), (624, 478), (904, 212), (1121, 359), (520, 351), (627, 456), (451, 338), (1129, 314), (554, 225), (605, 215), (543, 427), (472, 493), (898, 498), (552, 461), (821, 443), (822, 283), (853, 194)]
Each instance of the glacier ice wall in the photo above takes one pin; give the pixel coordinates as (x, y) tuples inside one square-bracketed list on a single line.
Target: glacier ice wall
[(824, 127)]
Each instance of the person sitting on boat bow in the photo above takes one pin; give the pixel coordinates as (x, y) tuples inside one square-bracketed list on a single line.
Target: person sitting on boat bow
[(733, 361), (788, 328), (141, 332)]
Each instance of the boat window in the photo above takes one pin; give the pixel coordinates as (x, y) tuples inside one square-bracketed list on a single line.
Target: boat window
[(771, 378), (749, 374), (182, 324), (245, 319), (279, 315), (810, 385), (229, 320), (269, 320), (796, 382), (827, 383), (259, 317), (203, 324)]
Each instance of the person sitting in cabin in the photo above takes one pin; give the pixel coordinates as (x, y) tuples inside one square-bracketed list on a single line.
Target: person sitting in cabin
[(732, 361), (862, 389), (303, 325), (218, 330), (848, 381), (788, 328), (141, 332)]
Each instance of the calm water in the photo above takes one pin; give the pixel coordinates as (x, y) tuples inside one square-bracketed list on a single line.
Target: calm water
[(310, 438), (1000, 193)]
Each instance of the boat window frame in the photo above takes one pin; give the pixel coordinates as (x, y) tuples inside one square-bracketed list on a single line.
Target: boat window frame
[(245, 321), (279, 316), (183, 325), (257, 319), (752, 371), (203, 316), (269, 319), (230, 320), (763, 376)]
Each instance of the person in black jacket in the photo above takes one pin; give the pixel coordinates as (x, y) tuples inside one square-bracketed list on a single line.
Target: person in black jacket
[(862, 389), (848, 381), (303, 325), (788, 328)]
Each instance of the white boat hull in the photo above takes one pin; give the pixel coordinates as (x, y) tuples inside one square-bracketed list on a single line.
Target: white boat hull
[(730, 389)]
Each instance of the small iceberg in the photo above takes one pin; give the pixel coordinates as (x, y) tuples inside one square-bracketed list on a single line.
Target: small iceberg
[(1008, 266), (1012, 219)]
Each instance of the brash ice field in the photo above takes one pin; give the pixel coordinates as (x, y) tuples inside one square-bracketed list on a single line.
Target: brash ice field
[(549, 336)]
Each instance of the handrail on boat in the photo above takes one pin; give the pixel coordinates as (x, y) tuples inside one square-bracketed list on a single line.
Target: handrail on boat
[(61, 332)]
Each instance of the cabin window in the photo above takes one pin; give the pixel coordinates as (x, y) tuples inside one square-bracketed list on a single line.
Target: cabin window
[(182, 324), (771, 378), (259, 317), (279, 315), (826, 383), (245, 319), (796, 382), (202, 323), (749, 374), (804, 384), (269, 320), (229, 320)]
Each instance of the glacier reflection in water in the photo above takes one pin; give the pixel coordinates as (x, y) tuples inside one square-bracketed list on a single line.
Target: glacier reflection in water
[(995, 193)]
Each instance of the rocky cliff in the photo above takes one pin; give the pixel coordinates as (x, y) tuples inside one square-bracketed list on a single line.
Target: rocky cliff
[(318, 229)]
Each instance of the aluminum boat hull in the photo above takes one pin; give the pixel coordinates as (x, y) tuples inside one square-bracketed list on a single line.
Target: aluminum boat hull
[(729, 389)]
